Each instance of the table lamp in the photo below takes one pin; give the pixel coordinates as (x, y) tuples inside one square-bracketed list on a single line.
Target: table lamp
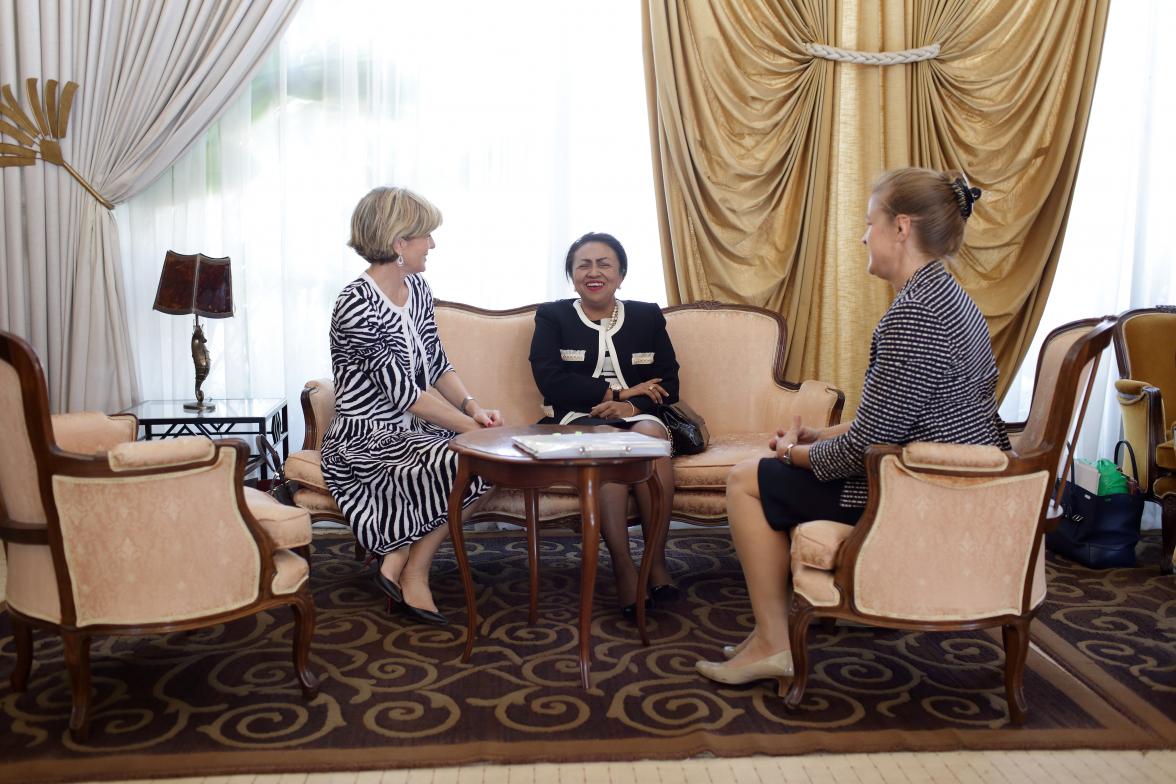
[(202, 286)]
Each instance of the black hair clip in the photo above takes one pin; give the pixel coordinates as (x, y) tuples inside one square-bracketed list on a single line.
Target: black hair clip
[(965, 197)]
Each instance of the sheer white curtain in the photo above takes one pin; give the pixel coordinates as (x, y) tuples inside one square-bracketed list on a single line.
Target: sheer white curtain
[(1118, 252), (525, 122)]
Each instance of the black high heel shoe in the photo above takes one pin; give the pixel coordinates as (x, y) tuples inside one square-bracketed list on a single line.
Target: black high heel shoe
[(629, 611), (664, 594), (425, 616), (389, 588)]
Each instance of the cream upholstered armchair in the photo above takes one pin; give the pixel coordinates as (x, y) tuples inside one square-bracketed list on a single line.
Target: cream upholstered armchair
[(1145, 346), (952, 537), (107, 535)]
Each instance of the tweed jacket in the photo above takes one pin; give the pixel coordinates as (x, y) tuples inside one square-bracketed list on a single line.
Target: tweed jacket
[(567, 352), (931, 377)]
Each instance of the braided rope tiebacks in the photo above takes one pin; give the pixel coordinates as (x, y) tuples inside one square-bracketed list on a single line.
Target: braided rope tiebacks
[(872, 58)]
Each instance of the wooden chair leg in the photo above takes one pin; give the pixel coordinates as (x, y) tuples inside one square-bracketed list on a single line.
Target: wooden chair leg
[(303, 634), (77, 662), (802, 617), (1016, 644), (22, 638), (1168, 540)]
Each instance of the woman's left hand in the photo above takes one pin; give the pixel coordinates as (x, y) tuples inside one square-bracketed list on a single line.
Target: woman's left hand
[(612, 409), (487, 417), (651, 389)]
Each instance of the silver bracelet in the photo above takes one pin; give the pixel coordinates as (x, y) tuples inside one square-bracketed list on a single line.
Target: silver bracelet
[(465, 400)]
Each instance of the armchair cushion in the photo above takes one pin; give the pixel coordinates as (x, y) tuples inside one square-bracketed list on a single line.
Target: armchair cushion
[(315, 501), (306, 468), (817, 544), (954, 457), (287, 526), (138, 455), (291, 571), (816, 585), (91, 433)]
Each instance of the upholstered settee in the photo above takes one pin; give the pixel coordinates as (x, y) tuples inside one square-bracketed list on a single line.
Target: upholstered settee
[(731, 361)]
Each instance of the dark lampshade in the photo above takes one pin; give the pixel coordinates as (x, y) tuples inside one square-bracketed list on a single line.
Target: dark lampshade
[(195, 284)]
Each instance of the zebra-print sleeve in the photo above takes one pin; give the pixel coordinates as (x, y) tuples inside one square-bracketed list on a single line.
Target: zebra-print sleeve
[(909, 360)]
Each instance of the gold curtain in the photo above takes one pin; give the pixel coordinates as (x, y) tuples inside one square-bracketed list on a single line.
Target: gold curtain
[(764, 155)]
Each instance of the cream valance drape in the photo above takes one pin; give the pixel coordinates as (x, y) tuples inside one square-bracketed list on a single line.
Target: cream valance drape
[(765, 154), (152, 75)]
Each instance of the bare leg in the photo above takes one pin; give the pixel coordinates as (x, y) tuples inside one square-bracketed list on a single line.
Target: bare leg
[(765, 557)]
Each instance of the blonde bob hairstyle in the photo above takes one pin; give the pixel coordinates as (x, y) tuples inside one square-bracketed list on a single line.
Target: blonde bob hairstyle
[(938, 204), (386, 215)]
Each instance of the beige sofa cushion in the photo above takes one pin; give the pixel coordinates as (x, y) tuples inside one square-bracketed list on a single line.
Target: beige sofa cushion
[(708, 470)]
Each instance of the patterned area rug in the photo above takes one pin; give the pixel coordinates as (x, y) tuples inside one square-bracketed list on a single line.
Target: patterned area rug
[(1119, 623), (224, 700)]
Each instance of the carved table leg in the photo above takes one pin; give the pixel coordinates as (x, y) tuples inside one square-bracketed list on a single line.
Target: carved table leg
[(590, 542)]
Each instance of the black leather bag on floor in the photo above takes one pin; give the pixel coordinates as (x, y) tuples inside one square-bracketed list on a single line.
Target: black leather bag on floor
[(688, 431), (1099, 531)]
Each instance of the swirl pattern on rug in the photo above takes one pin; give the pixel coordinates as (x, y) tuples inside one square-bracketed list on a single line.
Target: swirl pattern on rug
[(397, 693)]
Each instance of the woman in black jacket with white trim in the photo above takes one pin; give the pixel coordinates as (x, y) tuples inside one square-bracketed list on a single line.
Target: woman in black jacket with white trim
[(598, 360)]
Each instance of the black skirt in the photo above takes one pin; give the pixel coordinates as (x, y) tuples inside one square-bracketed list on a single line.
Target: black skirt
[(791, 496)]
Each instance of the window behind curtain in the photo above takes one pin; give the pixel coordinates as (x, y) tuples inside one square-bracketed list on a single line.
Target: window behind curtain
[(524, 122)]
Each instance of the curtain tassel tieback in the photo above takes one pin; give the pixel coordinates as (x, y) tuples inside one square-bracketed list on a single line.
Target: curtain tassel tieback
[(837, 54), (38, 136)]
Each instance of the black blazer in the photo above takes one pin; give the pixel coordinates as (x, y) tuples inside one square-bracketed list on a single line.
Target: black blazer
[(566, 349)]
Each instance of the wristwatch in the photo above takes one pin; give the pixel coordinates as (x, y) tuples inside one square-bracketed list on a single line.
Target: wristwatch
[(786, 458), (616, 395)]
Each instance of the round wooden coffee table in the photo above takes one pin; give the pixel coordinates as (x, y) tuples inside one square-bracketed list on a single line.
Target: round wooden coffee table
[(491, 454)]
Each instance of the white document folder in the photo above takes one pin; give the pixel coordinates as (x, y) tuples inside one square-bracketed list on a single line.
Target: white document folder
[(565, 446)]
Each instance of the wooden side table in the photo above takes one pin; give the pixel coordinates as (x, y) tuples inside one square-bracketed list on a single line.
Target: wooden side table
[(490, 453)]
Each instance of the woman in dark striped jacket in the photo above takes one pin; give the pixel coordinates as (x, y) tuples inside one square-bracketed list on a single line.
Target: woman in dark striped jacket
[(931, 377)]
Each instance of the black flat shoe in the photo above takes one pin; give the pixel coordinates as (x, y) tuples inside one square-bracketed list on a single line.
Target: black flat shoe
[(664, 594), (389, 588), (425, 616)]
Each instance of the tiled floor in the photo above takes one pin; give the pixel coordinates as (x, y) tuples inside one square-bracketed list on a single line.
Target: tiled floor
[(1072, 767)]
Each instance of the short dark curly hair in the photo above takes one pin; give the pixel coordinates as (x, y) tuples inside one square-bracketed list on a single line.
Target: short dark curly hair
[(596, 236)]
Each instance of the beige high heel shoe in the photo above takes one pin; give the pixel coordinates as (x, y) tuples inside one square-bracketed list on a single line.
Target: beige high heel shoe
[(778, 666)]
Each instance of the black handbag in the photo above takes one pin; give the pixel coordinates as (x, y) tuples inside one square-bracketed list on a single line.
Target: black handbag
[(688, 432), (1099, 531)]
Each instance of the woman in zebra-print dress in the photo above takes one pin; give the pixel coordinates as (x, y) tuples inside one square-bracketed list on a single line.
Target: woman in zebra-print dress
[(931, 377), (386, 456)]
